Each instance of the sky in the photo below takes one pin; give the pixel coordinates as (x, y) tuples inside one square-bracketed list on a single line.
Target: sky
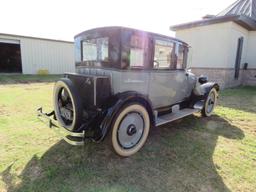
[(62, 19)]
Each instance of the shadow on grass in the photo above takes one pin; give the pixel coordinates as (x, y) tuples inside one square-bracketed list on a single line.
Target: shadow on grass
[(176, 157)]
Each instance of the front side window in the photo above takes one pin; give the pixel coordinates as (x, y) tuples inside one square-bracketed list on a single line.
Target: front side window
[(95, 50), (165, 57)]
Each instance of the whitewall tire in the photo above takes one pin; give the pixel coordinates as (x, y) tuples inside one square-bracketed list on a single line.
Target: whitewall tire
[(210, 103), (130, 129)]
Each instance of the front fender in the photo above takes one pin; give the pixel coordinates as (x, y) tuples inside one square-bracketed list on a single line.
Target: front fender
[(204, 89), (208, 86), (116, 102), (201, 91)]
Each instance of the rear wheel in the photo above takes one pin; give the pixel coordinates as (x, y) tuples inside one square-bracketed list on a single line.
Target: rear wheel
[(210, 103), (67, 104), (130, 129)]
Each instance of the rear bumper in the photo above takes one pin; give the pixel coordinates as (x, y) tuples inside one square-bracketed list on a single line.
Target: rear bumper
[(70, 137)]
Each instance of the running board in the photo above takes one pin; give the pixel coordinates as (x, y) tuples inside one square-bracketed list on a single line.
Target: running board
[(174, 116)]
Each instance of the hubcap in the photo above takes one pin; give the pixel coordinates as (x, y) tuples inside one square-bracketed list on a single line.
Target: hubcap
[(130, 130), (65, 106)]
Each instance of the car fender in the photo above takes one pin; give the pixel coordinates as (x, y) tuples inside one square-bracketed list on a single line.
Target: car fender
[(117, 102), (204, 89)]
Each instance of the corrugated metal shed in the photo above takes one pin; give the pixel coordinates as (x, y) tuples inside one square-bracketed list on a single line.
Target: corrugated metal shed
[(43, 54), (241, 7)]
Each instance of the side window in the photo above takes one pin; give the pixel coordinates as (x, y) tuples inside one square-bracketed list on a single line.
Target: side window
[(137, 47), (136, 57), (165, 57), (182, 57), (134, 54)]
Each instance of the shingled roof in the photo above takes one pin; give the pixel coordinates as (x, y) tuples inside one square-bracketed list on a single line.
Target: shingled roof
[(242, 12), (241, 7)]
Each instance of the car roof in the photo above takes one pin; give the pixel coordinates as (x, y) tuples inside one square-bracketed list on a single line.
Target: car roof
[(129, 29)]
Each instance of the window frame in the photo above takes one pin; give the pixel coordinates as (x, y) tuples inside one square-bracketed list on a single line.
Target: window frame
[(185, 56), (239, 55), (145, 48), (95, 38), (176, 48)]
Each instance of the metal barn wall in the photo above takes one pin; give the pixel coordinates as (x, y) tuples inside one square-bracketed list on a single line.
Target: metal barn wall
[(42, 54)]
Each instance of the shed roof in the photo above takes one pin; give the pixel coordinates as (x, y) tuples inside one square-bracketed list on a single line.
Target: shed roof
[(241, 7), (242, 12), (244, 21), (37, 38)]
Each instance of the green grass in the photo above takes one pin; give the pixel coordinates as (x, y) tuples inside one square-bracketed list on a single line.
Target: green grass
[(18, 78), (192, 154)]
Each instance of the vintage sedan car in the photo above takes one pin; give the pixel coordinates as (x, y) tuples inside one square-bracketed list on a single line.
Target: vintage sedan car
[(127, 82)]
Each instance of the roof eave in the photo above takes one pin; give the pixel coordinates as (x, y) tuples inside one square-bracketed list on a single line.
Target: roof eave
[(37, 38), (244, 21)]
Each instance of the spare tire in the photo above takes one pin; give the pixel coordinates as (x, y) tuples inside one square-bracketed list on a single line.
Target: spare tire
[(67, 104)]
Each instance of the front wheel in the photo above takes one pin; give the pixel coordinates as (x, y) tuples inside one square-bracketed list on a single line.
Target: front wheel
[(130, 129), (210, 103)]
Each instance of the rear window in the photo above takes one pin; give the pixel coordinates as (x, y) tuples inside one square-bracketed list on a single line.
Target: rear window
[(95, 50)]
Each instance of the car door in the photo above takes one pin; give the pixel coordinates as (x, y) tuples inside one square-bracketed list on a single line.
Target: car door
[(168, 82)]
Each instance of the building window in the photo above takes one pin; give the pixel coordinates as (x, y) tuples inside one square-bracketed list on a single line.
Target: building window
[(238, 56), (164, 57)]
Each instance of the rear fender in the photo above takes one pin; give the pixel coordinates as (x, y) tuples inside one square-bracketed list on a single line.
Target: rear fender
[(117, 102)]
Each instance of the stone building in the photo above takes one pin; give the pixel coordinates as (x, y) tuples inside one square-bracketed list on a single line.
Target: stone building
[(223, 46)]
